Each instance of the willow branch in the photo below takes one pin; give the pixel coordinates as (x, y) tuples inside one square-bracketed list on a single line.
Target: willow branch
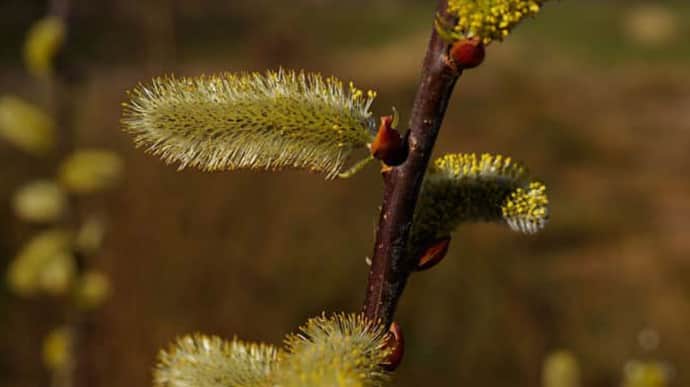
[(389, 268)]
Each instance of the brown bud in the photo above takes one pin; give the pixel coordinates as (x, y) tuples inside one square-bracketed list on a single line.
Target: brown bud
[(396, 342), (433, 254), (388, 146), (467, 53)]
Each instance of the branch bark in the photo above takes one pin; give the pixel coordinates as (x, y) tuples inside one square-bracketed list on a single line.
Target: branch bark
[(390, 268)]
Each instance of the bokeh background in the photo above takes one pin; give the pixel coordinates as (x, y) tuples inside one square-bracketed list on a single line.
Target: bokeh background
[(593, 95)]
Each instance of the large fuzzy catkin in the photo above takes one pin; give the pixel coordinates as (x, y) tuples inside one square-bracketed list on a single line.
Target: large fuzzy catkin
[(209, 361), (469, 188), (341, 350), (280, 119)]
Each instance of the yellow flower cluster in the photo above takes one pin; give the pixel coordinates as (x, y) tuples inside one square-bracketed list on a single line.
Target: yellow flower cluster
[(209, 361), (526, 209), (270, 121), (337, 351), (488, 20), (468, 188), (344, 350), (470, 165)]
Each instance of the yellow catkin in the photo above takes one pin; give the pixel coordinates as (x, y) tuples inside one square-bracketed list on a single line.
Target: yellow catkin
[(209, 361), (468, 188), (487, 20), (271, 121), (341, 350)]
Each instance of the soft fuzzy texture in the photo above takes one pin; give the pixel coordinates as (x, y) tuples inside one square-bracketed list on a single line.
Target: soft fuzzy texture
[(468, 188), (270, 121), (208, 361), (337, 351), (487, 20), (341, 350)]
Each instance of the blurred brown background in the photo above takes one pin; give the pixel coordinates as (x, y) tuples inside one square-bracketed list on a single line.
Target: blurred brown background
[(593, 95)]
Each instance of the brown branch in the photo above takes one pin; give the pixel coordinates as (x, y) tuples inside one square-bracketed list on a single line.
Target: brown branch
[(390, 268)]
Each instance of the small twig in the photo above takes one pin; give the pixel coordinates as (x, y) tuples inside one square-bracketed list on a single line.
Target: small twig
[(389, 270)]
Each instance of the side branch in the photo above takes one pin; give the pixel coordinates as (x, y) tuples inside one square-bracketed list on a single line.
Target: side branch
[(389, 269)]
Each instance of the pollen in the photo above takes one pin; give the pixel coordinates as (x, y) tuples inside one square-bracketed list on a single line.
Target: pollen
[(463, 188), (487, 20)]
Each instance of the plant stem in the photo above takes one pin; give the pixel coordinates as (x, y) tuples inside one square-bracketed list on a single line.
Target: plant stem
[(390, 268), (79, 371)]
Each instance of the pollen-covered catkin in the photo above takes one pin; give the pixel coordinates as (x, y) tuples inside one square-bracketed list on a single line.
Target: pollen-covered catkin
[(209, 361), (271, 121), (341, 350), (469, 188), (487, 20)]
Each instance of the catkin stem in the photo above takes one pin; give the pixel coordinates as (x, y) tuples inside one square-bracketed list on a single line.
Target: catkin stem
[(80, 372), (389, 269)]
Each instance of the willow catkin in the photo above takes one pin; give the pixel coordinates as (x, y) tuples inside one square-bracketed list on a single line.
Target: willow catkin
[(26, 126), (271, 121), (344, 350), (486, 20), (469, 188), (209, 361), (44, 264)]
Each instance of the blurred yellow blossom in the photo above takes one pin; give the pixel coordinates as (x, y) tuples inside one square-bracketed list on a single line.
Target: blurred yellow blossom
[(487, 20), (43, 42), (57, 348), (39, 201), (90, 170), (561, 370), (26, 126), (44, 264), (92, 289)]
